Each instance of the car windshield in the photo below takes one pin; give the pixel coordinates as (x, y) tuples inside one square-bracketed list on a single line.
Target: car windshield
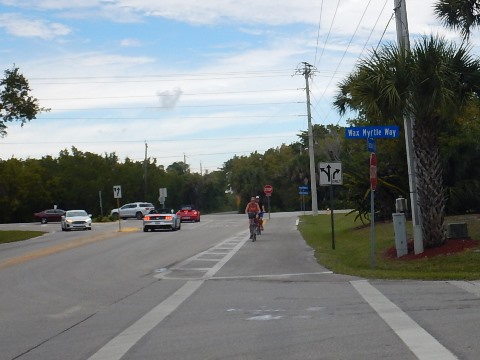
[(76, 213)]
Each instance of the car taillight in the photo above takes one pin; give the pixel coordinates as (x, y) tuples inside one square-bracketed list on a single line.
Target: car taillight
[(168, 218), (147, 217)]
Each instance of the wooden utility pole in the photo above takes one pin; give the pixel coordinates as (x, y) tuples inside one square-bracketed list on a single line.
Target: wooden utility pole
[(145, 173), (307, 70), (404, 43)]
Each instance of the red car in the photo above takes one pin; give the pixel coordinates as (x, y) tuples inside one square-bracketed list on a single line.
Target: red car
[(49, 215), (188, 213)]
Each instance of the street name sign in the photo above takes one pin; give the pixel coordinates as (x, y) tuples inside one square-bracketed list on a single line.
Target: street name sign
[(372, 132)]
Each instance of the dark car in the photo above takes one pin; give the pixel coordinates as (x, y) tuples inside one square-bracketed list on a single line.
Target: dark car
[(49, 215), (188, 213)]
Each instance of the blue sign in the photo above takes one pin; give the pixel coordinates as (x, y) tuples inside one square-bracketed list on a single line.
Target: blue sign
[(371, 146), (303, 190), (374, 132)]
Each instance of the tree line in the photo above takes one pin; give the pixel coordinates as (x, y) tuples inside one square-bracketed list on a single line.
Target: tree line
[(77, 179), (437, 83)]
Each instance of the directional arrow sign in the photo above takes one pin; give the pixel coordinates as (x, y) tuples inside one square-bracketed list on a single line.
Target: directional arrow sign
[(330, 173)]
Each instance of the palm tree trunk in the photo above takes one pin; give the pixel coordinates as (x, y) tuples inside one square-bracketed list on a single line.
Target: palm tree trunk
[(432, 194)]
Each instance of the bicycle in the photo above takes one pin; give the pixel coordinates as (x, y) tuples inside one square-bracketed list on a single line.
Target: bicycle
[(254, 229)]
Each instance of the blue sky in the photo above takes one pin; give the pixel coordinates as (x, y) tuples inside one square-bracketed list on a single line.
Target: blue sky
[(196, 80)]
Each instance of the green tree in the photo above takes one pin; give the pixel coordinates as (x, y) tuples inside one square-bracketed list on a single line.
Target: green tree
[(459, 14), (16, 103), (432, 83)]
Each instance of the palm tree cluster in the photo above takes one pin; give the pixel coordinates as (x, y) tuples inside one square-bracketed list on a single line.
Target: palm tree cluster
[(433, 83)]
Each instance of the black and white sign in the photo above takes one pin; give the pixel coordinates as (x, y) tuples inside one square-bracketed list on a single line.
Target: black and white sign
[(117, 192), (330, 173)]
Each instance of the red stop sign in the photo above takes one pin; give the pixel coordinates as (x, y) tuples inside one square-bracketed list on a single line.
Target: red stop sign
[(268, 189), (373, 171)]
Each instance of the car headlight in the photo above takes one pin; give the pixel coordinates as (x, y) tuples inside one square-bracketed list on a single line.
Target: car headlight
[(69, 221)]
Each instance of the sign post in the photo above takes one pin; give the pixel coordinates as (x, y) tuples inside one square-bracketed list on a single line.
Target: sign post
[(331, 174), (162, 197), (268, 189), (117, 194), (373, 186)]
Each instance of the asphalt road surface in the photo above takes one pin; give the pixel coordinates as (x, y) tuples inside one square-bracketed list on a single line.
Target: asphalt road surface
[(207, 292)]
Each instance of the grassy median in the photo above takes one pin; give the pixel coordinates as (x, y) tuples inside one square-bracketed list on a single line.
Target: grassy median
[(353, 245), (7, 236)]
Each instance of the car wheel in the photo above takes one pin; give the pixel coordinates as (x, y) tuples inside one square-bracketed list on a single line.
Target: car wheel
[(139, 215), (145, 229), (43, 220), (198, 220), (115, 216)]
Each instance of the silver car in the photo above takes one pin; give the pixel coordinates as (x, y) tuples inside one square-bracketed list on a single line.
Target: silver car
[(161, 219), (76, 220), (133, 210)]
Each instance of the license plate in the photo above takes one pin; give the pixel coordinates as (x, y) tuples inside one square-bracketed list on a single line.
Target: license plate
[(186, 217)]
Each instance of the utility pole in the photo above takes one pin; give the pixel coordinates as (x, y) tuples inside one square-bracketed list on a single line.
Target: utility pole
[(306, 71), (408, 121), (145, 172)]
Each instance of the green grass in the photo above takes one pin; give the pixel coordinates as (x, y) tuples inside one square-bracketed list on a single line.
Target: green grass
[(7, 236), (352, 253)]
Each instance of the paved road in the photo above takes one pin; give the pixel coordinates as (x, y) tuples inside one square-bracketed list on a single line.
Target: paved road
[(206, 292)]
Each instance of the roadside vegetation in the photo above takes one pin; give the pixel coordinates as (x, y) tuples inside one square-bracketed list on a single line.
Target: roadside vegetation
[(8, 236), (352, 253)]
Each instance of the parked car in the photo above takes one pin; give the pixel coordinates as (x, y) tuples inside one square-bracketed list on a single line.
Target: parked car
[(188, 213), (49, 215), (133, 210), (76, 220), (161, 219)]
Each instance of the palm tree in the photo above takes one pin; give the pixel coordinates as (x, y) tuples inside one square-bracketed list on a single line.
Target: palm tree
[(459, 14), (431, 83)]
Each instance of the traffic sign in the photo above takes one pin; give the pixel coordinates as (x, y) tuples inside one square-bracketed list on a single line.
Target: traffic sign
[(268, 189), (379, 132), (371, 146), (117, 192), (303, 190), (330, 173), (373, 171)]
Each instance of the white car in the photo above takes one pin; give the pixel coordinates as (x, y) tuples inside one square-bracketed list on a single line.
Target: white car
[(161, 219), (76, 220), (133, 210)]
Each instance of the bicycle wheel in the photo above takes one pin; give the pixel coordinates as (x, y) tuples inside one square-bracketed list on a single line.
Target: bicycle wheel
[(254, 236)]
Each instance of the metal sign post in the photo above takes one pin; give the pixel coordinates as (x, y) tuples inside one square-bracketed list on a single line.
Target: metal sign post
[(117, 194), (331, 174), (373, 186), (268, 189), (303, 190)]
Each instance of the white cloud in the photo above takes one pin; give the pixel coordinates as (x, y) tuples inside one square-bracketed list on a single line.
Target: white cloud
[(21, 26)]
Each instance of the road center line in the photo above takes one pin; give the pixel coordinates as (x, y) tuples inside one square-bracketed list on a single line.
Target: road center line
[(420, 342), (116, 348)]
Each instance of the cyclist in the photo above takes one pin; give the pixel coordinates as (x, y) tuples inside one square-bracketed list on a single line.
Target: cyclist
[(262, 211), (252, 209)]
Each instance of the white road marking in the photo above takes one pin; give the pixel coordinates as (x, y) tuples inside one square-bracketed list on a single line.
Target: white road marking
[(419, 341), (116, 348), (472, 287)]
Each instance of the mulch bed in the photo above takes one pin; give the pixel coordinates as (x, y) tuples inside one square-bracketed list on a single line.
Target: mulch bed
[(451, 246)]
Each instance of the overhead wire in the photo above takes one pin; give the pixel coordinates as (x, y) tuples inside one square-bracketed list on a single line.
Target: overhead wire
[(346, 50)]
